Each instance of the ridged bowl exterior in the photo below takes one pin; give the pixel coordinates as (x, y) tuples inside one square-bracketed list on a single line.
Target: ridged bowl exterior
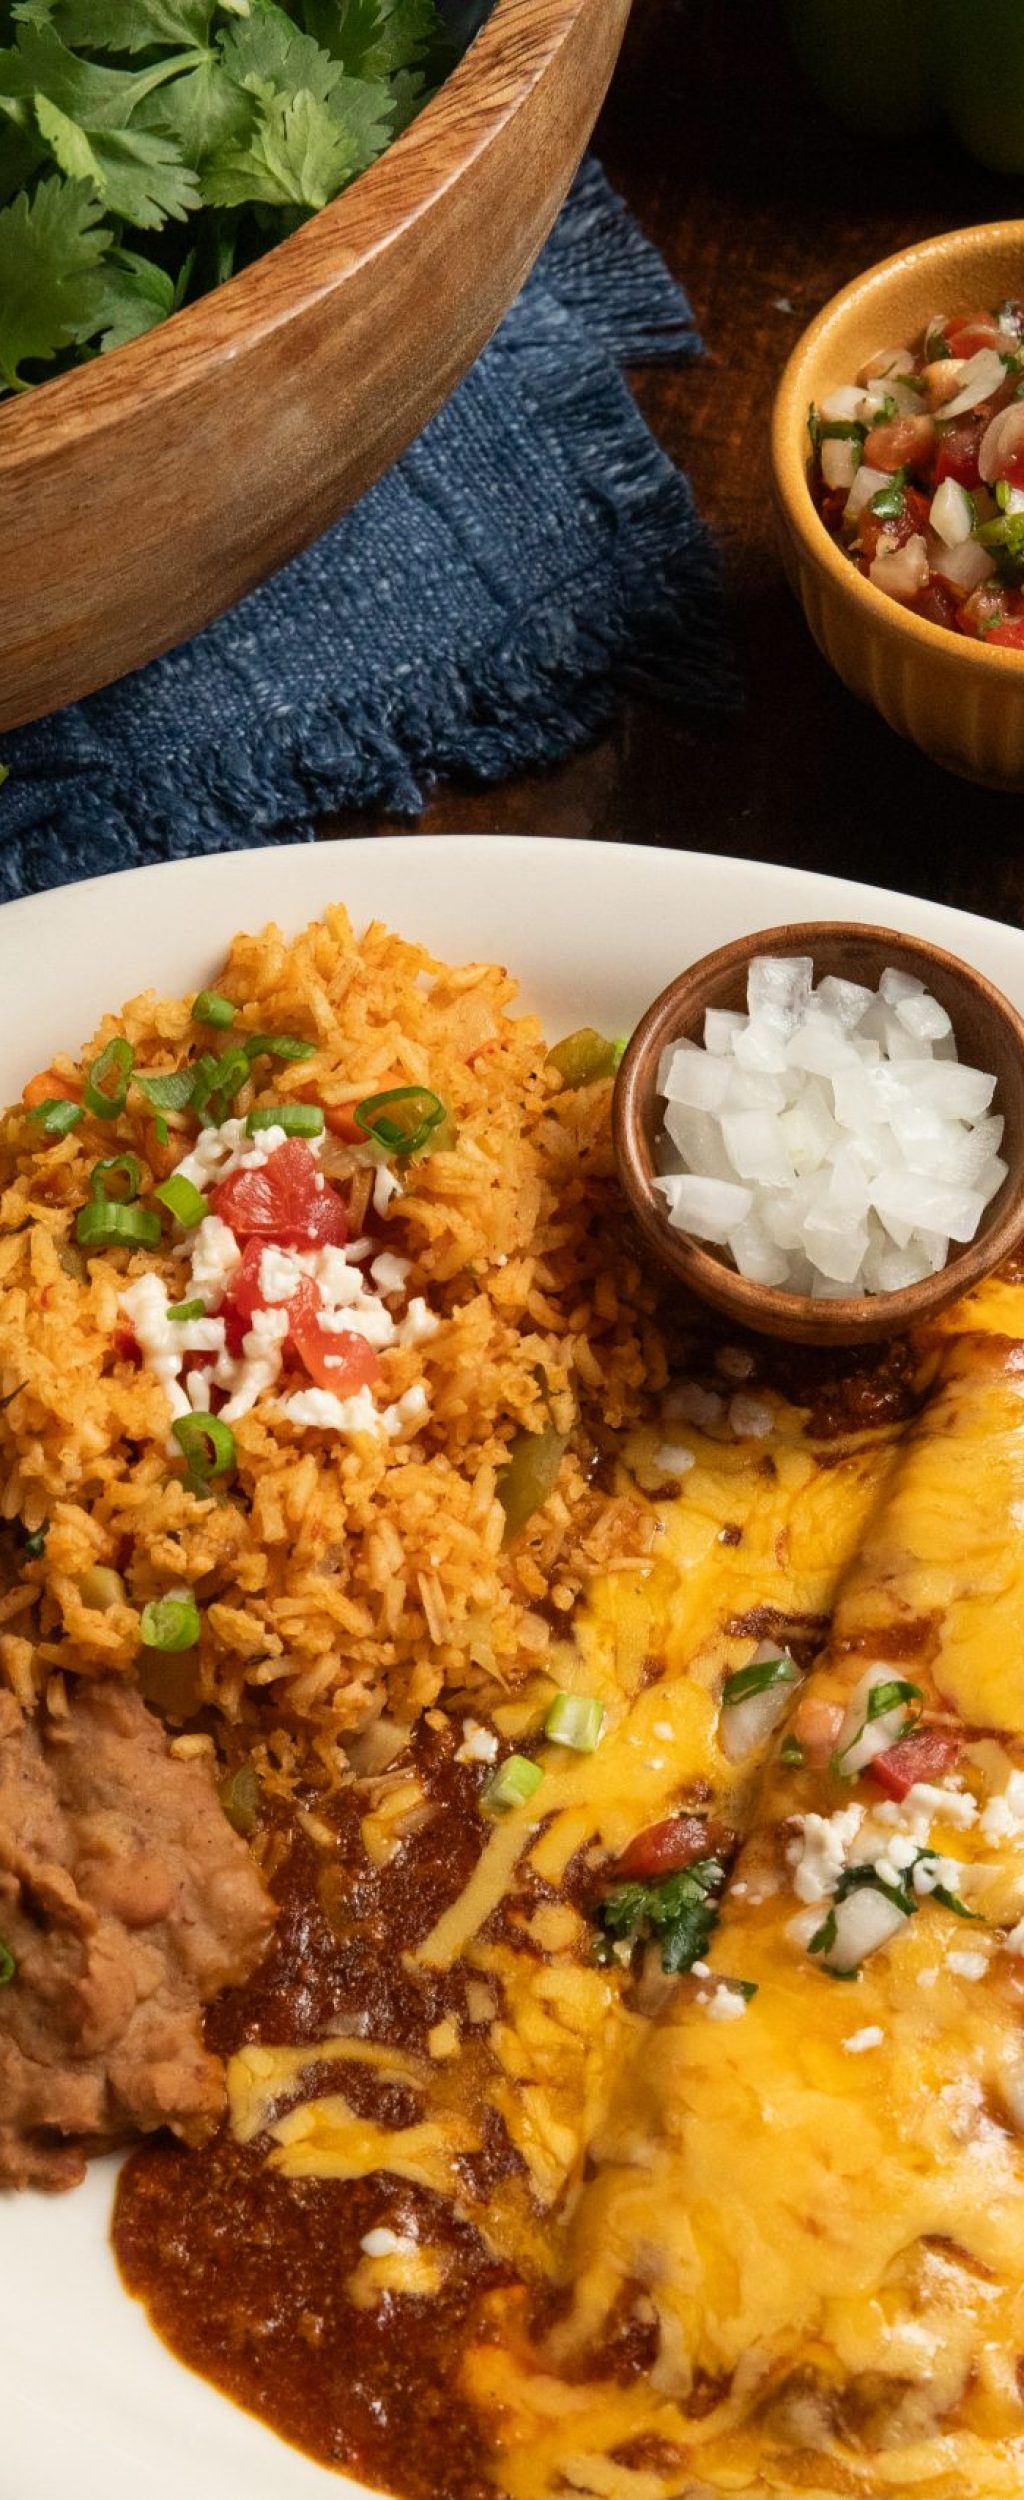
[(961, 701)]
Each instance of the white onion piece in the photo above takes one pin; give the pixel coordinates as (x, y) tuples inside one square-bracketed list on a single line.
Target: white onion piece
[(839, 462), (864, 1921), (842, 405), (868, 482), (901, 571), (1000, 440), (964, 567), (952, 513), (982, 376), (886, 361), (744, 1726), (861, 1739)]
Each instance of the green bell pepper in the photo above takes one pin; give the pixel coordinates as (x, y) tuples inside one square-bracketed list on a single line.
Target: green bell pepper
[(891, 68)]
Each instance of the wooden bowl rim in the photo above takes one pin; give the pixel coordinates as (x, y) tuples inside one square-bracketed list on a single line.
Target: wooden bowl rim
[(764, 1308), (518, 42), (789, 471)]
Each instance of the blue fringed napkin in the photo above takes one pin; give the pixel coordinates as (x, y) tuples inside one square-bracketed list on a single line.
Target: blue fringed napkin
[(479, 612)]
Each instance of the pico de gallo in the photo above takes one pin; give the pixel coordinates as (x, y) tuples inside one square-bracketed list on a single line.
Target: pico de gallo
[(917, 471)]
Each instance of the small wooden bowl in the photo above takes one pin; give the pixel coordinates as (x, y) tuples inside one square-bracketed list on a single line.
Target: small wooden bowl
[(144, 493), (989, 1034), (961, 701)]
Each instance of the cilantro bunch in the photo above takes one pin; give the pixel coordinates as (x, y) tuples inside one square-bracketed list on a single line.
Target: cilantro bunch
[(149, 148)]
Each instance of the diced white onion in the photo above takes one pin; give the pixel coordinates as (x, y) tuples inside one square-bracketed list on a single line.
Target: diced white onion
[(861, 1739), (842, 406), (839, 461), (868, 482), (864, 1921), (952, 513), (829, 1141), (900, 571), (1000, 440), (982, 376), (964, 567), (744, 1726)]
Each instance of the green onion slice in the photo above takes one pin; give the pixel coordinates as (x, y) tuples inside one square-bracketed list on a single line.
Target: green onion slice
[(847, 429), (104, 1224), (791, 1754), (279, 1046), (216, 1081), (8, 1965), (35, 1545), (107, 1081), (186, 1310), (515, 1783), (115, 1165), (168, 1093), (402, 1119), (760, 1677), (298, 1119), (170, 1622), (211, 1008), (207, 1444), (56, 1117), (575, 1720), (182, 1199)]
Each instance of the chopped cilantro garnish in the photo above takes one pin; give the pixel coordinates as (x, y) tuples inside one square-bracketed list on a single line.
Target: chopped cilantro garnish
[(680, 1913)]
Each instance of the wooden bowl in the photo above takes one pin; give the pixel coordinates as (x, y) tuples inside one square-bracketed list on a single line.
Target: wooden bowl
[(143, 494), (962, 701), (989, 1034)]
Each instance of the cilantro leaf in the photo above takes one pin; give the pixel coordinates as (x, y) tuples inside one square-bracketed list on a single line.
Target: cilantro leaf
[(50, 247), (87, 91), (137, 174), (679, 1912), (268, 55), (297, 156), (123, 25), (373, 38), (131, 295)]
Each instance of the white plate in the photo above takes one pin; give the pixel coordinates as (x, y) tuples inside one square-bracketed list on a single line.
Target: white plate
[(90, 2403)]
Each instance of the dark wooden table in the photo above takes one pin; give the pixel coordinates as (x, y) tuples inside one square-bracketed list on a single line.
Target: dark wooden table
[(758, 202)]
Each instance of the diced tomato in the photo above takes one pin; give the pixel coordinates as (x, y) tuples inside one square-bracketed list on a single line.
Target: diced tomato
[(1012, 468), (936, 603), (342, 1123), (49, 1087), (126, 1344), (985, 607), (335, 1359), (956, 452), (910, 523), (1010, 636), (280, 1201), (923, 1756), (965, 332), (665, 1847), (902, 443), (245, 1295)]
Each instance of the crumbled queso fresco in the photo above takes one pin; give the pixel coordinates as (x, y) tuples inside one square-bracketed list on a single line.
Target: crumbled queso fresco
[(349, 1305)]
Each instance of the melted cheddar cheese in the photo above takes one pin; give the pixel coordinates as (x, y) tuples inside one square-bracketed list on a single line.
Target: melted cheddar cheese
[(772, 2247)]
